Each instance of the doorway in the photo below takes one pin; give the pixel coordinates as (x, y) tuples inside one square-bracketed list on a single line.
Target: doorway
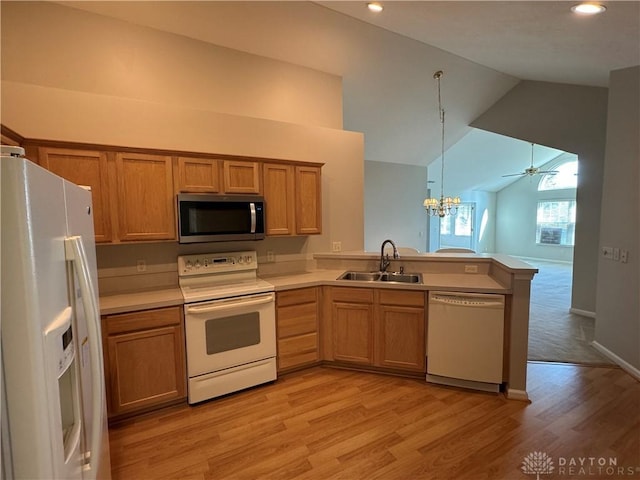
[(457, 231)]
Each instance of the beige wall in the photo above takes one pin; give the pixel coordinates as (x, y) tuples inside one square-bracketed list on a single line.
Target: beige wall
[(76, 76), (51, 45)]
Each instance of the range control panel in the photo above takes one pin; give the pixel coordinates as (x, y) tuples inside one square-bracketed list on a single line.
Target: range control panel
[(209, 263)]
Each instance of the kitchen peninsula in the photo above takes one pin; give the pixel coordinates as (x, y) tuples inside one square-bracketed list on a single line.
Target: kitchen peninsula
[(306, 289)]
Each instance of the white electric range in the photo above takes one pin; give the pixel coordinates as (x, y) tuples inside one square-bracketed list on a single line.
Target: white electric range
[(229, 323)]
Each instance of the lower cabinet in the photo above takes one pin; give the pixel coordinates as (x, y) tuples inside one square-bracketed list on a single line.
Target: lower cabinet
[(297, 328), (145, 363), (376, 327)]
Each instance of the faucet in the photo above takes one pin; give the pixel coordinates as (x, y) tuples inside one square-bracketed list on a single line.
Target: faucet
[(384, 260)]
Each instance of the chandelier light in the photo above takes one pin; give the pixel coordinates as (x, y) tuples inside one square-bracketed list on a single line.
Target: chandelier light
[(440, 207)]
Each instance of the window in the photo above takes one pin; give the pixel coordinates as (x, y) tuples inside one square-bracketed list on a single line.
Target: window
[(556, 222), (457, 230), (567, 177)]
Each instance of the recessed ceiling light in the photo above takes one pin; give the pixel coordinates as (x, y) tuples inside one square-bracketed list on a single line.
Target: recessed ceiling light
[(375, 6), (588, 8)]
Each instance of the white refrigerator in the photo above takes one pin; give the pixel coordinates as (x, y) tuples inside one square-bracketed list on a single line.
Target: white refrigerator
[(54, 423)]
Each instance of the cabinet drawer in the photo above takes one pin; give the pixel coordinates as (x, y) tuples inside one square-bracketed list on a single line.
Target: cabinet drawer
[(352, 295), (297, 319), (131, 322), (298, 350), (401, 297), (296, 297)]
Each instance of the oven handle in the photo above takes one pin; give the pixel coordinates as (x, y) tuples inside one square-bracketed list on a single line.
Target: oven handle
[(226, 304)]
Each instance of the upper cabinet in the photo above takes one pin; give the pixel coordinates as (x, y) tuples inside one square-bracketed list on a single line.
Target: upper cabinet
[(308, 201), (293, 199), (241, 177), (89, 168), (198, 175), (279, 197), (134, 194), (145, 197)]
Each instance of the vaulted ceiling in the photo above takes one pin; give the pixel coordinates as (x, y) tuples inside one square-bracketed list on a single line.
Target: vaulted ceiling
[(387, 60)]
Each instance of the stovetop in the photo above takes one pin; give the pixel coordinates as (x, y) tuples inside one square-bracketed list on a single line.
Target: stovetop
[(215, 276)]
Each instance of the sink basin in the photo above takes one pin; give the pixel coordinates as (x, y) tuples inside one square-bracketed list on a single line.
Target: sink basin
[(382, 277), (360, 276), (400, 277)]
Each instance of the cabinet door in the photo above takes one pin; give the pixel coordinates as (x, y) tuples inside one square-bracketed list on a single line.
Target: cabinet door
[(401, 338), (279, 198), (241, 177), (145, 360), (352, 325), (308, 201), (146, 208), (84, 167), (198, 175)]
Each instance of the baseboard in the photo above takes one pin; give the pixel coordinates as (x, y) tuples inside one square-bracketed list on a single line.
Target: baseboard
[(513, 394), (584, 313), (626, 366)]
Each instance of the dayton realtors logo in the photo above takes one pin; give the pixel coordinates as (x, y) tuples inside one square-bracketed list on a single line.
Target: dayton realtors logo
[(539, 463)]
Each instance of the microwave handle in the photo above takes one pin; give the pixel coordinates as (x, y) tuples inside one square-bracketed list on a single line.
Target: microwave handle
[(252, 209)]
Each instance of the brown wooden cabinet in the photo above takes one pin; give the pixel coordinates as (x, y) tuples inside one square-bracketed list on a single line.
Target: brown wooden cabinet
[(279, 196), (198, 175), (144, 360), (376, 327), (84, 167), (145, 197), (297, 328), (241, 177), (352, 329), (401, 330), (293, 199), (308, 201)]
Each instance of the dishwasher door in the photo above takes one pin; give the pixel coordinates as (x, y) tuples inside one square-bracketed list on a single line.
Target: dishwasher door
[(465, 340)]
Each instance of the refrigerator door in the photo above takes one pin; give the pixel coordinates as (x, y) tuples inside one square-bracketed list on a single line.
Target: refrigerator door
[(40, 410), (84, 300)]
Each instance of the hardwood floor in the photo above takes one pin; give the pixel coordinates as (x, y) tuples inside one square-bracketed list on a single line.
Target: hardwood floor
[(324, 423)]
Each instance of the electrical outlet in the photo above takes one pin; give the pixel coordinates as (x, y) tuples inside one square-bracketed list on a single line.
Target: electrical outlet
[(336, 247), (271, 257), (141, 266), (471, 269)]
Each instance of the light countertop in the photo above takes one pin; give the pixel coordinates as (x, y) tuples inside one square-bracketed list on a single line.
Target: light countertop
[(129, 302)]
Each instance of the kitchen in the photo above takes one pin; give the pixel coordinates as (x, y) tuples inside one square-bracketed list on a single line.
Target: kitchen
[(236, 127)]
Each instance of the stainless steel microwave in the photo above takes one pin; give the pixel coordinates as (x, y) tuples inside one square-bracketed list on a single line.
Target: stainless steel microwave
[(220, 218)]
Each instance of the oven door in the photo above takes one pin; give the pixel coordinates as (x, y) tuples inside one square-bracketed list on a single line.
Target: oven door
[(226, 333)]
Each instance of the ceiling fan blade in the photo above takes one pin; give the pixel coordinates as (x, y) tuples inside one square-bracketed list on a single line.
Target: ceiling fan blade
[(514, 175), (550, 172)]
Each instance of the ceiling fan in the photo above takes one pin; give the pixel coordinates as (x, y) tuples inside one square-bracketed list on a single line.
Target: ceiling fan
[(531, 171)]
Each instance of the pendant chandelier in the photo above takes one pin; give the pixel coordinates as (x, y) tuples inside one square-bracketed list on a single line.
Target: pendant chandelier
[(440, 207)]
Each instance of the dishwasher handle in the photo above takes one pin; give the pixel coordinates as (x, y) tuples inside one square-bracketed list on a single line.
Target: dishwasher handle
[(470, 300)]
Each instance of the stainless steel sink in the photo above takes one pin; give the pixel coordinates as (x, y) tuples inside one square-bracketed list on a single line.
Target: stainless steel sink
[(360, 276), (382, 277), (400, 277)]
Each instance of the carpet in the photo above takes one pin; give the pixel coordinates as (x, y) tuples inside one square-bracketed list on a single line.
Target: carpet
[(555, 334)]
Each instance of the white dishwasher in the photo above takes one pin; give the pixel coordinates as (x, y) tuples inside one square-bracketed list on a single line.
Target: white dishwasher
[(465, 340)]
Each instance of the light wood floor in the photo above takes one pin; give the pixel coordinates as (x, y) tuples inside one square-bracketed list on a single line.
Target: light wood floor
[(324, 423)]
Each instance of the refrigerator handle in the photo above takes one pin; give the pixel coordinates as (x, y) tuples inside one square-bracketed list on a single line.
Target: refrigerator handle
[(75, 253)]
